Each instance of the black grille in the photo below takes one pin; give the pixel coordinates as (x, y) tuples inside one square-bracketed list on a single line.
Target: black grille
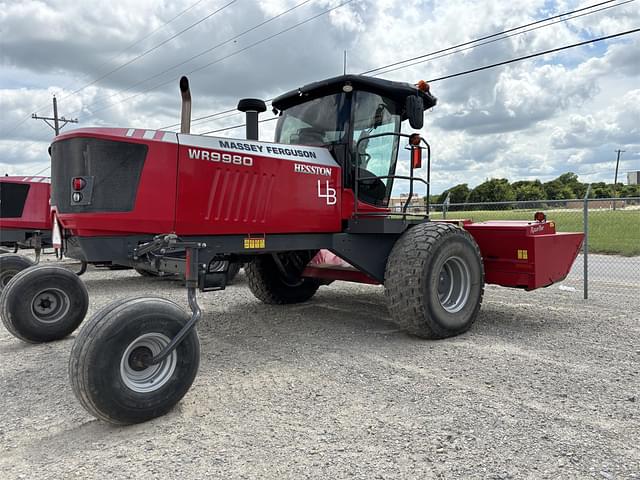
[(115, 167), (12, 198)]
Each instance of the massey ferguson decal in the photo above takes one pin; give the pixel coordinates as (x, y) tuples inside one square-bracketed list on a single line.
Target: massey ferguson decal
[(311, 169), (270, 149)]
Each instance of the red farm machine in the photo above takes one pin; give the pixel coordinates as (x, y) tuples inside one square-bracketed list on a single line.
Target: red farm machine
[(25, 221), (193, 205)]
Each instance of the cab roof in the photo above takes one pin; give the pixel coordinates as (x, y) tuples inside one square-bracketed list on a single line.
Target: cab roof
[(397, 91)]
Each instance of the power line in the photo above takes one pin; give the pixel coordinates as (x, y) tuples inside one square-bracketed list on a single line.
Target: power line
[(208, 50), (41, 171), (449, 49), (164, 42), (494, 65), (526, 57), (236, 126), (453, 50), (489, 36), (118, 55), (281, 32)]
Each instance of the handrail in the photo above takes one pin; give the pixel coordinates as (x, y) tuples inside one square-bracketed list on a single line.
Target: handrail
[(411, 177)]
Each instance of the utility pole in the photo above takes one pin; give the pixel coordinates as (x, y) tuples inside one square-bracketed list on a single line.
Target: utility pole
[(615, 181), (56, 120)]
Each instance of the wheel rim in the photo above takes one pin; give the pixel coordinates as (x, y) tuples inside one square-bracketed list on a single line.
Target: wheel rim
[(147, 379), (50, 305), (454, 284)]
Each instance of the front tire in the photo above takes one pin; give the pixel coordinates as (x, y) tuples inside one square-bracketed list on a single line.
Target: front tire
[(10, 265), (269, 284), (43, 303), (434, 281), (106, 375)]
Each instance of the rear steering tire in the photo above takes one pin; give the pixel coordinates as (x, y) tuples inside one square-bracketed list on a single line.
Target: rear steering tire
[(269, 284), (10, 265), (434, 281), (105, 367), (43, 303)]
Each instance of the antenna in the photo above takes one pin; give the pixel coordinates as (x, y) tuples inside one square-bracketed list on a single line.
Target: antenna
[(344, 68)]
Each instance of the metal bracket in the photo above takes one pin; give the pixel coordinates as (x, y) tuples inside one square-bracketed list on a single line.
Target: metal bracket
[(196, 314)]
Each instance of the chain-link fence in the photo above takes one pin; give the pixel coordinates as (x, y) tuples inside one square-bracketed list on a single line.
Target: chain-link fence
[(609, 263)]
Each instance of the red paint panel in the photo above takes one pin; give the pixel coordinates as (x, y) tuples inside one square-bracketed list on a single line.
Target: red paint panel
[(154, 207), (267, 196), (525, 255), (36, 211)]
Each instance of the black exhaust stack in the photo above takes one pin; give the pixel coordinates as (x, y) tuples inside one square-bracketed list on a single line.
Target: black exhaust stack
[(252, 107), (185, 117)]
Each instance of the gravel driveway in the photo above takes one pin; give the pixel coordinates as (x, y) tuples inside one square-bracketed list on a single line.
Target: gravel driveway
[(545, 385)]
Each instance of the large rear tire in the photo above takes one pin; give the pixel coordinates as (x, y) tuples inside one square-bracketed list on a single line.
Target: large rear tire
[(10, 265), (232, 271), (268, 283), (434, 281), (105, 370), (43, 303)]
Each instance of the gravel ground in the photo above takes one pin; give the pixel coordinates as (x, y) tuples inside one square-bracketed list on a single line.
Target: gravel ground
[(545, 385)]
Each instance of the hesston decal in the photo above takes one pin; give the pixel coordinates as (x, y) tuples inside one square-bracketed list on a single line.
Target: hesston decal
[(311, 169)]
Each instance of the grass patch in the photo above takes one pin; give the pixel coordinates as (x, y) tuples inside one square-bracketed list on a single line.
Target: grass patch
[(611, 232)]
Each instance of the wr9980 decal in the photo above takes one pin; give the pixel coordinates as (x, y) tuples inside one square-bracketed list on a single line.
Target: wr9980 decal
[(216, 157)]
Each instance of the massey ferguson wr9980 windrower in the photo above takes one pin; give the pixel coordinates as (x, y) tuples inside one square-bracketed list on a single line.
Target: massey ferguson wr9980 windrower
[(323, 185)]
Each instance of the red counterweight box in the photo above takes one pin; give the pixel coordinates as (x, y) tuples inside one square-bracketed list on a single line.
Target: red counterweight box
[(524, 254)]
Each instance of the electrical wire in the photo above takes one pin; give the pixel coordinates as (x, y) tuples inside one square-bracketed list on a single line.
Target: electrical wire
[(464, 44), (453, 50), (129, 47), (533, 55), (494, 65), (208, 50), (207, 65), (155, 47), (236, 126)]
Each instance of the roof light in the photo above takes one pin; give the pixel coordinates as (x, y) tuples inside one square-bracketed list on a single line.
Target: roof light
[(422, 86), (347, 87), (414, 139)]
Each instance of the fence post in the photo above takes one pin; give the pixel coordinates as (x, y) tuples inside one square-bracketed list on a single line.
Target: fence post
[(445, 206), (585, 243)]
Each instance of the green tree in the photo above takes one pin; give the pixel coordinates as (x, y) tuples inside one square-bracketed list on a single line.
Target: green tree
[(458, 194), (494, 190), (555, 190), (629, 191), (601, 190), (529, 190)]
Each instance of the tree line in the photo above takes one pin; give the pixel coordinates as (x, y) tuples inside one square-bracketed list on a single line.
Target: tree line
[(565, 187)]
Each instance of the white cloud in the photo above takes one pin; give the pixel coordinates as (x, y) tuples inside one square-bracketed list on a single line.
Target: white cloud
[(536, 118)]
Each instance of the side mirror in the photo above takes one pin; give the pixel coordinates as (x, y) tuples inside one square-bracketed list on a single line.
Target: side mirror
[(415, 111)]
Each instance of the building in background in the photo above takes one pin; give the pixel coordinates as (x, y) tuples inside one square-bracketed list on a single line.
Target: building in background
[(633, 178), (417, 202)]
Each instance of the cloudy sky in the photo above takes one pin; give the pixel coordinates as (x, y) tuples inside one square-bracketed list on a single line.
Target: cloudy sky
[(117, 63)]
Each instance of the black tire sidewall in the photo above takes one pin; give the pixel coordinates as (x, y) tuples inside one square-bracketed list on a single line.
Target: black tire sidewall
[(266, 283), (11, 265), (449, 323), (110, 394), (17, 298)]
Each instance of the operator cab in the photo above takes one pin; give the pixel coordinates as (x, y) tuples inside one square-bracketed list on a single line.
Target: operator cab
[(341, 112)]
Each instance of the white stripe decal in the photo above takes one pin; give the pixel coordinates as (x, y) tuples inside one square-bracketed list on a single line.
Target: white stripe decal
[(148, 134), (293, 153), (170, 137), (130, 132)]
